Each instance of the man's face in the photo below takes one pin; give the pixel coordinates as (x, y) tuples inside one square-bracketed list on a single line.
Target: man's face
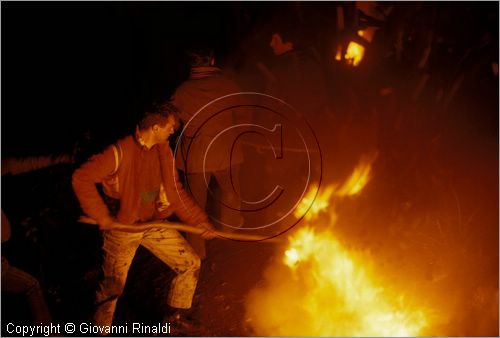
[(163, 132), (279, 47)]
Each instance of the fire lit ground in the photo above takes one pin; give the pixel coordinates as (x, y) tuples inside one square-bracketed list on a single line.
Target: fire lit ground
[(401, 238)]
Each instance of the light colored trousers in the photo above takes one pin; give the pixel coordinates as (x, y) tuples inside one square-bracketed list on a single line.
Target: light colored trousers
[(119, 250)]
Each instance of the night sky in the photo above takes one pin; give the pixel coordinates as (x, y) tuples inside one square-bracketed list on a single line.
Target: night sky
[(73, 67)]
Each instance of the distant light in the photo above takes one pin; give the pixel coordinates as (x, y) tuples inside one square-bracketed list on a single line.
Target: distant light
[(494, 68), (338, 55), (354, 53), (368, 33)]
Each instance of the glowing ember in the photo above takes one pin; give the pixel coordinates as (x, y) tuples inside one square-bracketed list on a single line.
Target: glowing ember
[(354, 53), (338, 55), (368, 33)]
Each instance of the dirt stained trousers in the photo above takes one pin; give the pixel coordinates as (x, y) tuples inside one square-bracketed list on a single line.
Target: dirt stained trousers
[(166, 244)]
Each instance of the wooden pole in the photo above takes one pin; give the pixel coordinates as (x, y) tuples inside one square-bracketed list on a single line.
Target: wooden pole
[(141, 227)]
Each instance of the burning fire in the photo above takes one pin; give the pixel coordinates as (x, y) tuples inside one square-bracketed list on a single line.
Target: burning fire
[(320, 288), (354, 53), (359, 178), (341, 298), (311, 206)]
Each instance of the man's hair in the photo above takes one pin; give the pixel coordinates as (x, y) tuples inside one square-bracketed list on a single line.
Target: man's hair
[(159, 114), (288, 32), (200, 56)]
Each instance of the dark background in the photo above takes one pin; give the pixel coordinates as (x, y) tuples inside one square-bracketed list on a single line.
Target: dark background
[(68, 68), (71, 67)]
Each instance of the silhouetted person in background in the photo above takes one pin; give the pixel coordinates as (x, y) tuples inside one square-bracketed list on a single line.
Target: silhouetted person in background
[(295, 74), (205, 117), (295, 77), (15, 280)]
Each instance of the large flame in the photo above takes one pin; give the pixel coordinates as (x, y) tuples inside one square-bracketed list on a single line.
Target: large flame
[(320, 288), (328, 291), (341, 298)]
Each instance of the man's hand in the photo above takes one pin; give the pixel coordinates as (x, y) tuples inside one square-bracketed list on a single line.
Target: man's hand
[(209, 232), (107, 223)]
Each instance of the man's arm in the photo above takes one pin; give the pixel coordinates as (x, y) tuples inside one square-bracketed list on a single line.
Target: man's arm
[(5, 228), (84, 180), (178, 100), (184, 103), (182, 204), (14, 165)]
